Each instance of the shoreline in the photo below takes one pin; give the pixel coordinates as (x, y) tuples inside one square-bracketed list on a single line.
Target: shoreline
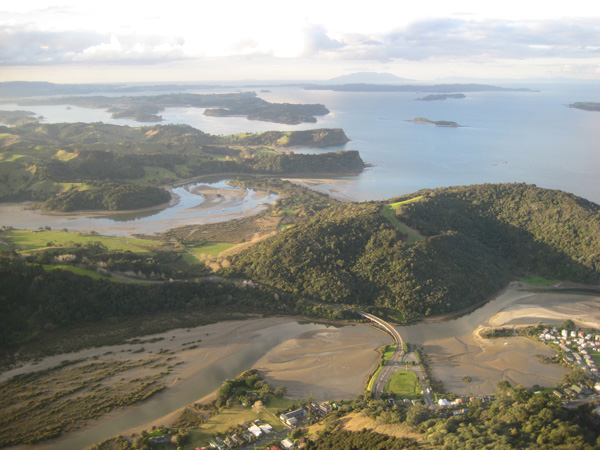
[(224, 350)]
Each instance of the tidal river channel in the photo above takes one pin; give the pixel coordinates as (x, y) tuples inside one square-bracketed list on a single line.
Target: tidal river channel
[(243, 343), (296, 355), (190, 205)]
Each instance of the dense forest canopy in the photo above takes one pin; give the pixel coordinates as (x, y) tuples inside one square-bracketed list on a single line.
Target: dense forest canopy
[(477, 238)]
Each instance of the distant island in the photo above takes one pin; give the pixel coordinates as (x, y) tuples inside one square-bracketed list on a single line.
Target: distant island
[(440, 97), (440, 88), (437, 123), (586, 106), (145, 108)]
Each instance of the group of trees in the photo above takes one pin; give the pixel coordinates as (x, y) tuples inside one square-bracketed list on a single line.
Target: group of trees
[(477, 239), (109, 196), (112, 167), (516, 418)]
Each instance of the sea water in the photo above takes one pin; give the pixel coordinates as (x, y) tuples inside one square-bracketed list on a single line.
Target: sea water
[(531, 137)]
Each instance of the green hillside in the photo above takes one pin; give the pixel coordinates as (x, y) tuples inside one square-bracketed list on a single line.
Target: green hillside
[(477, 238), (98, 166)]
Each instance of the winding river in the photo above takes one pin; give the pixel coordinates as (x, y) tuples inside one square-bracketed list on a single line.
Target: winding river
[(188, 206)]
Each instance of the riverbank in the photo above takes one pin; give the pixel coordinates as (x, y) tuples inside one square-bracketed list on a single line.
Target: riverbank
[(327, 361), (457, 350), (188, 206)]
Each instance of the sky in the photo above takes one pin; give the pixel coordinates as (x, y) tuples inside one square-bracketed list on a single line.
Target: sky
[(79, 41)]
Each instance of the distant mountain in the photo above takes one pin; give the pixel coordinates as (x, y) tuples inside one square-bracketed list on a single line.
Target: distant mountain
[(438, 88), (369, 77)]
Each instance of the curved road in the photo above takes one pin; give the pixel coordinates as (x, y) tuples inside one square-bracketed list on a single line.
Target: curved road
[(395, 362)]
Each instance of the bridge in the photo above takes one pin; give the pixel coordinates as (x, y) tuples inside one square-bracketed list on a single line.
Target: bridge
[(395, 361)]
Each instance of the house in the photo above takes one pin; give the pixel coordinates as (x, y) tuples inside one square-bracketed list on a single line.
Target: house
[(255, 430), (558, 394), (287, 444), (165, 439), (325, 407), (443, 402), (266, 428), (237, 439), (291, 418)]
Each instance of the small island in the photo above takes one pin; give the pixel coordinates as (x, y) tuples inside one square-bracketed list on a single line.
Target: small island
[(440, 97), (586, 106), (437, 123)]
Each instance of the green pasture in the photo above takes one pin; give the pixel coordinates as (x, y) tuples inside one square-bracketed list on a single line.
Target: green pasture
[(210, 249), (405, 384), (29, 241), (404, 202)]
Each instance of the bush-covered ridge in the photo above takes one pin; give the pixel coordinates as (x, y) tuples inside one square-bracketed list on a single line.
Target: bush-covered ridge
[(478, 238), (99, 166)]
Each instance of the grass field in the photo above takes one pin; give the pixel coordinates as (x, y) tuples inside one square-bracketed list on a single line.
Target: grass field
[(238, 415), (28, 241), (210, 249), (389, 351), (373, 378), (534, 280), (389, 212), (404, 383)]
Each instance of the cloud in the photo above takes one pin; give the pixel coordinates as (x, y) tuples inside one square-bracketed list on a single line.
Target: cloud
[(316, 40), (474, 39), (443, 39), (27, 45)]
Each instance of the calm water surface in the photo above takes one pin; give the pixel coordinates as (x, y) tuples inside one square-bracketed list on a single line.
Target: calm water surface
[(530, 137)]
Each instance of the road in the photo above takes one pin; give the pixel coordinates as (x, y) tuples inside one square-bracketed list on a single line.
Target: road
[(395, 362)]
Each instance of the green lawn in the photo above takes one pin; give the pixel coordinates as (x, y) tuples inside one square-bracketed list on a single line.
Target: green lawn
[(210, 249), (373, 378), (389, 351), (404, 383), (29, 241), (229, 418)]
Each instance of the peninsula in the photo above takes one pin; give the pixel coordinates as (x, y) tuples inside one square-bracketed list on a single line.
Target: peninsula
[(145, 108)]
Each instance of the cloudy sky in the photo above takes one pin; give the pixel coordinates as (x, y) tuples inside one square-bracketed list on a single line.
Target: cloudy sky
[(129, 40)]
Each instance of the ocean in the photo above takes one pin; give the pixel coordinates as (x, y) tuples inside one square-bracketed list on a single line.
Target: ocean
[(531, 137)]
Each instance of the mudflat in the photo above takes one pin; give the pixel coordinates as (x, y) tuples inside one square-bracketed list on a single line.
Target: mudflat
[(457, 349)]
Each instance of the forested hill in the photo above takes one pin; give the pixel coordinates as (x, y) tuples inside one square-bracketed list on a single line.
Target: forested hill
[(477, 238), (83, 166)]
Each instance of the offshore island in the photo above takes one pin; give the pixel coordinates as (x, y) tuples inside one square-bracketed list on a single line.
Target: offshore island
[(437, 123)]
